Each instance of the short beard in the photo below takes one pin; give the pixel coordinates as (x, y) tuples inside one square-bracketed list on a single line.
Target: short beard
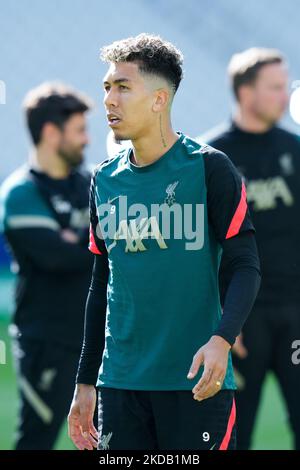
[(72, 159)]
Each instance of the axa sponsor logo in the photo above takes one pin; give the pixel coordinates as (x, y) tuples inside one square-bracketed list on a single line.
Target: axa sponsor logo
[(138, 223), (265, 194)]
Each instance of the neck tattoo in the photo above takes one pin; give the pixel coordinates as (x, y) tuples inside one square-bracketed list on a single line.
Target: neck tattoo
[(161, 132)]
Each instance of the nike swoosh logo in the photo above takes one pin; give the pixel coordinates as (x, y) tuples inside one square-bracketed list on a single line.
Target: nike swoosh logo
[(110, 200)]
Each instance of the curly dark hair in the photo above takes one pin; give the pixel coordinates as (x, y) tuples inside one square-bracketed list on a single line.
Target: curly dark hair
[(152, 54)]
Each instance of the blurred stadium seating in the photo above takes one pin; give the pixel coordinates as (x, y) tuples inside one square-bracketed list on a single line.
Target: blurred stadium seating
[(42, 45)]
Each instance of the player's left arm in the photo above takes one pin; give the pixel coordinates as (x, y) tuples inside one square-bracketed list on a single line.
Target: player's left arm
[(230, 220)]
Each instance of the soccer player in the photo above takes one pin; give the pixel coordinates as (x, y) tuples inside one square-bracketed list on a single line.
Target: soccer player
[(45, 218), (269, 158), (161, 213)]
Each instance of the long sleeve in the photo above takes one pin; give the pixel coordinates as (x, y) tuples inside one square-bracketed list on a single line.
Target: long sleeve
[(241, 264), (34, 233), (48, 251), (231, 222), (94, 325)]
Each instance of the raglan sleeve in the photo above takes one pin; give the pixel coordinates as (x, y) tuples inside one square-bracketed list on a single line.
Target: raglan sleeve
[(96, 242), (231, 222), (226, 197)]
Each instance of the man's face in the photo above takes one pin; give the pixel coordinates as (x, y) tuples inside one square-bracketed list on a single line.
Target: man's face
[(73, 139), (128, 100), (269, 95)]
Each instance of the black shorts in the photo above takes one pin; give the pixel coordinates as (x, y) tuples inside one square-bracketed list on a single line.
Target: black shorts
[(165, 420), (46, 374), (268, 335)]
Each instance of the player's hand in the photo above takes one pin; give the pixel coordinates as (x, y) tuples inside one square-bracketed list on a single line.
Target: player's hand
[(81, 428), (239, 348), (214, 356), (69, 236)]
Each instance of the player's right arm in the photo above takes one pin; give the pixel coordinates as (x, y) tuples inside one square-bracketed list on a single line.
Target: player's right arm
[(80, 418)]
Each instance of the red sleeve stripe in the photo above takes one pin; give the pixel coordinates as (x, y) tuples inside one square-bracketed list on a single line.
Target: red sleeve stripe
[(231, 423), (92, 244), (239, 214)]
